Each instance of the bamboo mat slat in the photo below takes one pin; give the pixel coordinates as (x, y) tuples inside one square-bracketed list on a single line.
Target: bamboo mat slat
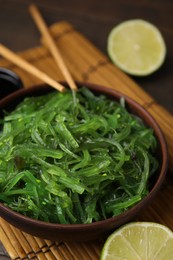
[(86, 63)]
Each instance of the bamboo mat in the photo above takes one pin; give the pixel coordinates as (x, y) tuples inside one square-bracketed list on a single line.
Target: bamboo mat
[(88, 64)]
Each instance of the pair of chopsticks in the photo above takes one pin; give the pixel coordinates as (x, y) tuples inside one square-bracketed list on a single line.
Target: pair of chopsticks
[(50, 44)]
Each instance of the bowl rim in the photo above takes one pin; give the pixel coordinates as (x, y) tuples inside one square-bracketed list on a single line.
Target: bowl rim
[(141, 204)]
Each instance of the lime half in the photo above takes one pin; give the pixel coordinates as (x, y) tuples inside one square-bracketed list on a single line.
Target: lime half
[(139, 241), (137, 47)]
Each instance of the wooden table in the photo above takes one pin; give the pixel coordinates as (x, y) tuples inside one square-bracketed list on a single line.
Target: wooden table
[(94, 19)]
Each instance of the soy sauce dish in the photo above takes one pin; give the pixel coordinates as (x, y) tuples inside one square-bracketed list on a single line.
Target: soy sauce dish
[(74, 167), (9, 82)]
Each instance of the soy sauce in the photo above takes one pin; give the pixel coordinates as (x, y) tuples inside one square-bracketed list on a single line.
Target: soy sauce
[(9, 82)]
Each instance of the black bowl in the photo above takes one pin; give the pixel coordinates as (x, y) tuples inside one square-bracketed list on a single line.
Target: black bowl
[(9, 82)]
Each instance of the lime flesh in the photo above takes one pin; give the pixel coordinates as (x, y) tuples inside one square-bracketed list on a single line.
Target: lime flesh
[(137, 47), (139, 241)]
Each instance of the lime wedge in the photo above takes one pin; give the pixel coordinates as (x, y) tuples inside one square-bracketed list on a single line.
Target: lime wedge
[(137, 47), (139, 241)]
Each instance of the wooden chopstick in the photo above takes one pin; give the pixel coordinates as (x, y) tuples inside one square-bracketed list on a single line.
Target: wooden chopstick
[(13, 57), (51, 45)]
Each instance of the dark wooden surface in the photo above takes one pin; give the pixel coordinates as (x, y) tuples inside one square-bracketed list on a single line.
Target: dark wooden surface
[(95, 19)]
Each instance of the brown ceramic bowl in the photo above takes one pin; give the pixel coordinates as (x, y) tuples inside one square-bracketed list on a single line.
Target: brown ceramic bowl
[(83, 232)]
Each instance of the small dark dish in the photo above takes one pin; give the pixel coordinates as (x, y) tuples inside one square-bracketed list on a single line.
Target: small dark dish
[(82, 232), (9, 82)]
